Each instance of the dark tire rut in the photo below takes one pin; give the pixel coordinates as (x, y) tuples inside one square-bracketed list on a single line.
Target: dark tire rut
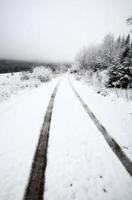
[(126, 162), (35, 186)]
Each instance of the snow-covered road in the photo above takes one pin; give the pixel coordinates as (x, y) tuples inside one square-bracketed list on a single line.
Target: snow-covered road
[(81, 165)]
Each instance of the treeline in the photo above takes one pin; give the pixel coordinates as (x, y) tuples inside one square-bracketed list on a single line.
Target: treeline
[(57, 67), (8, 66), (113, 55)]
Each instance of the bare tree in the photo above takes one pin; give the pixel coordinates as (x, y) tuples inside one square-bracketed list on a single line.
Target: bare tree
[(108, 49), (81, 58)]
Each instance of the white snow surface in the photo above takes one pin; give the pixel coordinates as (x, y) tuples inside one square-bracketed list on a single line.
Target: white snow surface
[(21, 118), (16, 83), (81, 165), (11, 85), (114, 113)]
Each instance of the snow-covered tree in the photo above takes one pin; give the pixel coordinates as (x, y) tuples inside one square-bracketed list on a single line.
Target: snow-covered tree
[(108, 49), (129, 20), (115, 55), (120, 74), (81, 58)]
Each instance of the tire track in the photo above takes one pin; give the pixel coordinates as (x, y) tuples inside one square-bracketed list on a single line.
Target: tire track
[(35, 187), (126, 162)]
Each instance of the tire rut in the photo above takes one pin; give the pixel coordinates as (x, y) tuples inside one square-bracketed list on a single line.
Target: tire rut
[(36, 182), (126, 162)]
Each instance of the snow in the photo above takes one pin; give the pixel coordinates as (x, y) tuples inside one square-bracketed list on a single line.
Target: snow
[(80, 163), (19, 82), (114, 113), (7, 82), (11, 85), (21, 118)]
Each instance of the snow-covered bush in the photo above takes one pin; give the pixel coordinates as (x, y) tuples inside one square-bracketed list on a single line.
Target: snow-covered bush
[(24, 76), (12, 84), (39, 73), (42, 74), (74, 68)]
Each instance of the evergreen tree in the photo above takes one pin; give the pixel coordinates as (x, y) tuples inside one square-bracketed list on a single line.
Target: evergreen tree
[(123, 42), (127, 41), (120, 74), (119, 39)]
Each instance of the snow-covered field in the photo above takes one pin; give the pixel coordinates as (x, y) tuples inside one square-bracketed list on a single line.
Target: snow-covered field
[(81, 165), (17, 83), (9, 85)]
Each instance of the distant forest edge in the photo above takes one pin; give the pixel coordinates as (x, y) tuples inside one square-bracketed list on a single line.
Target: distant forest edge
[(8, 66)]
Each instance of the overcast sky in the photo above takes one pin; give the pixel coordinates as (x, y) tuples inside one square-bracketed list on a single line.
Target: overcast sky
[(57, 29)]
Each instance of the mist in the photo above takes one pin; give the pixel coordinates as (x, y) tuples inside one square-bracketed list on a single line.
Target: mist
[(54, 30)]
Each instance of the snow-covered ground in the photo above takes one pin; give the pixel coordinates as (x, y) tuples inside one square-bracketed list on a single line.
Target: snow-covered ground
[(98, 83), (21, 118), (81, 165), (11, 85), (8, 85), (19, 82), (114, 113)]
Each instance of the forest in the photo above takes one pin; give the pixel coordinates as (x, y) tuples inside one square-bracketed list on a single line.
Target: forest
[(113, 56)]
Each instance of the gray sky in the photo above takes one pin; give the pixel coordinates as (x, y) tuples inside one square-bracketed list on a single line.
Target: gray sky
[(57, 29)]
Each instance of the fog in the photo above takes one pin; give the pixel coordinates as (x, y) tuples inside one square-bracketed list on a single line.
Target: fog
[(55, 30)]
